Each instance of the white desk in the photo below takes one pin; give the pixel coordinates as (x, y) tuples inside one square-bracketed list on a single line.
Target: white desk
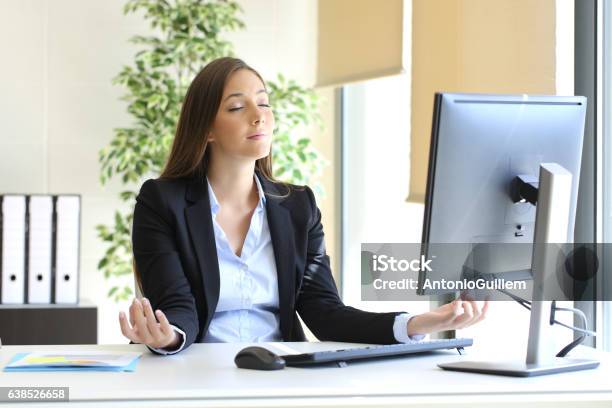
[(205, 375)]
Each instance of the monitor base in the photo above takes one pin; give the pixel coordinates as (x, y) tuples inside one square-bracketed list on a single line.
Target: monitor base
[(521, 369)]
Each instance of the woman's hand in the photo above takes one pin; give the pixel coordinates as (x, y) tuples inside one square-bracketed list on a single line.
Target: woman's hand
[(145, 328), (455, 315)]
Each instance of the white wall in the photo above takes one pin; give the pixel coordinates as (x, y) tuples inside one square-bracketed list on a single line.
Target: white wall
[(58, 107)]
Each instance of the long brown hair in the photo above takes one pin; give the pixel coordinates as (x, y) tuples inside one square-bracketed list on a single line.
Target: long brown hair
[(190, 156)]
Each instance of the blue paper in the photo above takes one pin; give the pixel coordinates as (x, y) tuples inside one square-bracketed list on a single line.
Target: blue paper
[(128, 368)]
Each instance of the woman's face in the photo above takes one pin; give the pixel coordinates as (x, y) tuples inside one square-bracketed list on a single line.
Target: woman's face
[(244, 123)]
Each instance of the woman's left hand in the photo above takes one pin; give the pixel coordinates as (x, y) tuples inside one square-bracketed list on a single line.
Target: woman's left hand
[(458, 314)]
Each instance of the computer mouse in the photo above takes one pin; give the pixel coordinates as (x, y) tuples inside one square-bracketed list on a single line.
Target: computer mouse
[(258, 358)]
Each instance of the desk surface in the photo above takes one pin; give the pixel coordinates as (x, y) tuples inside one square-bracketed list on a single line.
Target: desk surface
[(205, 375)]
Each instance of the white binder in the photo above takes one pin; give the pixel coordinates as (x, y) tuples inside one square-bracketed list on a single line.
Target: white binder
[(39, 249), (13, 248), (67, 227)]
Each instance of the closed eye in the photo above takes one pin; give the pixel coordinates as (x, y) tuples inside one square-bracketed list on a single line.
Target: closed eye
[(263, 105)]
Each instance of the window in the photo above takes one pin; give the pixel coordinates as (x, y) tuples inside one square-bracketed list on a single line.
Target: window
[(375, 179)]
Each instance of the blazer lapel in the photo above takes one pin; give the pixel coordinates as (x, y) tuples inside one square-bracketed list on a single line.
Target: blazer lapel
[(199, 223), (281, 233)]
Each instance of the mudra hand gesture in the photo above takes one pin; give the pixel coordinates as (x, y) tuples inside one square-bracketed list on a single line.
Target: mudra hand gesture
[(146, 327), (458, 314)]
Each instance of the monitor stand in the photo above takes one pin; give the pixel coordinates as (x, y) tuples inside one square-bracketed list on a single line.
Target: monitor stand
[(552, 221)]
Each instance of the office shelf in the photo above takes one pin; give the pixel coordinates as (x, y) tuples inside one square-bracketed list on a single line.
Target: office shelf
[(49, 324)]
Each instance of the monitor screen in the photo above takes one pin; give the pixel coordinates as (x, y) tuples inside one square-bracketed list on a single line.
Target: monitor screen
[(479, 144)]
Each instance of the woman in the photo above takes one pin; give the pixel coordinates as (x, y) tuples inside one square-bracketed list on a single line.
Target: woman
[(223, 252)]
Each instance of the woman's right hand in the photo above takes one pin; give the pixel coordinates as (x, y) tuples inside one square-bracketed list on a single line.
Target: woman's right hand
[(144, 328)]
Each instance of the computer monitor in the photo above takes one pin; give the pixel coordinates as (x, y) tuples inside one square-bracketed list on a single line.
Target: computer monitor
[(480, 144)]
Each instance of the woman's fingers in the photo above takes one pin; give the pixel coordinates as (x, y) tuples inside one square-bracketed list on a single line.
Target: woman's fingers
[(464, 319), (141, 323), (152, 324), (455, 315), (457, 307), (126, 330), (456, 311), (445, 316), (466, 316), (144, 326), (483, 311), (164, 324), (475, 311), (477, 314), (133, 312)]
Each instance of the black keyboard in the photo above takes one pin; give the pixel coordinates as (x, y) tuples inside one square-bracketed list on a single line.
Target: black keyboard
[(342, 356)]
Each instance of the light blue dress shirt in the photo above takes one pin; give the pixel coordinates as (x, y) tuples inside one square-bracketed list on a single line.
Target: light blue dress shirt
[(248, 307)]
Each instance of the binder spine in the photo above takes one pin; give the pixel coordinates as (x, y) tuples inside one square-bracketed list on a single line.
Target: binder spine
[(39, 252), (26, 252), (13, 248), (68, 247), (53, 248)]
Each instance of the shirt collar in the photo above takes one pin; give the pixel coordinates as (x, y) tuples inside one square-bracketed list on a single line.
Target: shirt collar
[(260, 191), (214, 203)]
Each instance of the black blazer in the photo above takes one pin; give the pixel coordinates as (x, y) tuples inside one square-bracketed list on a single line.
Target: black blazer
[(176, 257)]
